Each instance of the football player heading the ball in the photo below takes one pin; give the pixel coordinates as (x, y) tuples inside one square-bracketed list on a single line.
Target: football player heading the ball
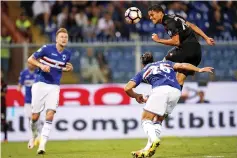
[(182, 33)]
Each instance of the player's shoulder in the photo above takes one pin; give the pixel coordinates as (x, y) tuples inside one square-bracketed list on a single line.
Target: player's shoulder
[(24, 71), (48, 46), (44, 47)]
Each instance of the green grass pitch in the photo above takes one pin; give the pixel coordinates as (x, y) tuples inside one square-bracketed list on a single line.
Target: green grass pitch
[(173, 147)]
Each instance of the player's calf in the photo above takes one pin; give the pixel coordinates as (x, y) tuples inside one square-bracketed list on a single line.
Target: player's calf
[(46, 131)]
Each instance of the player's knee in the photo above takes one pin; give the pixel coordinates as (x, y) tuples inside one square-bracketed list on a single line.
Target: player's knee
[(50, 115), (148, 116), (35, 117)]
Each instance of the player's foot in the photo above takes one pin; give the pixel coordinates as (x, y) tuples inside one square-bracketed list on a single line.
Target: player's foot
[(5, 141), (37, 141), (41, 150), (139, 154), (31, 143), (152, 149)]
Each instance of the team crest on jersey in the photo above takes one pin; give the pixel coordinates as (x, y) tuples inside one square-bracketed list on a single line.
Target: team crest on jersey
[(64, 57)]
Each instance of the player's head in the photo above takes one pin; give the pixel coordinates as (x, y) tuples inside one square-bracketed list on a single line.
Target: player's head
[(156, 13), (147, 58), (62, 37)]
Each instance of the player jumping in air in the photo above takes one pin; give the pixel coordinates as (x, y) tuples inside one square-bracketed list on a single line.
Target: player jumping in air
[(166, 92), (182, 35), (53, 59)]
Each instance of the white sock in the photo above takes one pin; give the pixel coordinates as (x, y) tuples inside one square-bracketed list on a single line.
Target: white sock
[(45, 133), (34, 128), (158, 127), (152, 130), (148, 145)]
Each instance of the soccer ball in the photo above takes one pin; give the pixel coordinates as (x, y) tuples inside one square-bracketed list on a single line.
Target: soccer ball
[(133, 15)]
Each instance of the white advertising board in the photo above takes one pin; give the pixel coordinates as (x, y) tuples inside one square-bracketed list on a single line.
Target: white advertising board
[(114, 122)]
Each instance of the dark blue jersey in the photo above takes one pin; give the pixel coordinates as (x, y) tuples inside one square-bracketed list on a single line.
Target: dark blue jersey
[(49, 55), (27, 79), (158, 74)]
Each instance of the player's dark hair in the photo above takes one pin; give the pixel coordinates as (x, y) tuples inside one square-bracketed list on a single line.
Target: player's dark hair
[(156, 8), (147, 58)]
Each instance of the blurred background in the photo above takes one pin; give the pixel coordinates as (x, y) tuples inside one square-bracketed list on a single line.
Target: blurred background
[(114, 48)]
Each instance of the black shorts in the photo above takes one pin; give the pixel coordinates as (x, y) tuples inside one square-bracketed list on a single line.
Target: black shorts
[(187, 53)]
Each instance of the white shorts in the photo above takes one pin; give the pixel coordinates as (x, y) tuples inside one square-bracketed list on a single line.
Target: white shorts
[(27, 110), (44, 96), (162, 100)]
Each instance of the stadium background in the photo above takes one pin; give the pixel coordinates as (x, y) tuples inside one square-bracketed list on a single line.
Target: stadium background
[(98, 108)]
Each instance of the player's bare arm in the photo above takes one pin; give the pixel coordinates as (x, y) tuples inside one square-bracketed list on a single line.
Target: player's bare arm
[(210, 41), (35, 62), (68, 68), (190, 67), (19, 87), (174, 41), (129, 90)]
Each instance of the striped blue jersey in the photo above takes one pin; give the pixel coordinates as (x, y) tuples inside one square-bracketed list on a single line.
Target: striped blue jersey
[(157, 74), (49, 55), (27, 78)]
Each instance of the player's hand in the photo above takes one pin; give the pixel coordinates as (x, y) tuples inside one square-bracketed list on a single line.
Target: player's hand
[(139, 98), (68, 67), (45, 68), (155, 37), (145, 98), (206, 69), (210, 41)]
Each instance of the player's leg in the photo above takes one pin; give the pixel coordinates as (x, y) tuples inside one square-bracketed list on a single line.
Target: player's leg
[(51, 106), (156, 105), (38, 95), (27, 110), (4, 123), (46, 131)]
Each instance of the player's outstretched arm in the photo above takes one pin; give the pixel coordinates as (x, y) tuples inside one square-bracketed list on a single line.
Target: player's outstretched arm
[(129, 91), (190, 67), (210, 41), (35, 62)]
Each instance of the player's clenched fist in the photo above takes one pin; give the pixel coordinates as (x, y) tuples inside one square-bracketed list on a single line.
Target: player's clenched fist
[(68, 67), (139, 98), (155, 37), (45, 68)]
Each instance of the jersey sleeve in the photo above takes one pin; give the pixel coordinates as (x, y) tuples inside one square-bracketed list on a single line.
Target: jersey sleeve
[(171, 63), (21, 78), (137, 79), (40, 52)]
